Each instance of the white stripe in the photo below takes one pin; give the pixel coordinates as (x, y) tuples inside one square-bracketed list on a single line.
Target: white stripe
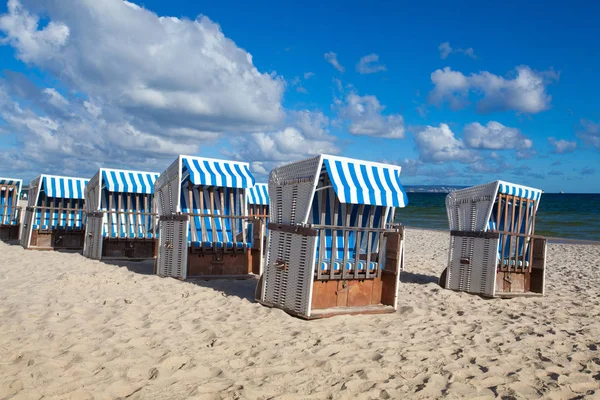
[(387, 189), (397, 191), (337, 181), (203, 169), (346, 171), (119, 184), (372, 183), (138, 182), (128, 180), (238, 177), (363, 184)]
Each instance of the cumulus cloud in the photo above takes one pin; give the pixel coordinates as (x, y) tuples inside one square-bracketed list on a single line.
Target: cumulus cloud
[(368, 65), (306, 134), (171, 83), (331, 58), (524, 92), (590, 133), (445, 50), (494, 136), (364, 115), (562, 146), (438, 145)]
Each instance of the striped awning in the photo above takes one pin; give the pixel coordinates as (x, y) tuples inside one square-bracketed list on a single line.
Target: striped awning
[(519, 190), (210, 172), (363, 182), (10, 181), (259, 194), (63, 187), (120, 181)]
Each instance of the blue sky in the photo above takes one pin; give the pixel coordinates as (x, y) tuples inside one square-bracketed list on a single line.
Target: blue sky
[(454, 95)]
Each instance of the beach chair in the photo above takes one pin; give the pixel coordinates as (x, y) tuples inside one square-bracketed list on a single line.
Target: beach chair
[(258, 213), (10, 212), (55, 215), (333, 248), (494, 251), (203, 220), (121, 215)]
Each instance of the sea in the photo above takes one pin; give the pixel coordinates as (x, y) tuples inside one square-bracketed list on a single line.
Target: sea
[(568, 216)]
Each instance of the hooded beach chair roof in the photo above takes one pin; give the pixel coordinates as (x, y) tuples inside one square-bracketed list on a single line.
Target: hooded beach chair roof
[(364, 182), (213, 172), (122, 181), (62, 186), (259, 194)]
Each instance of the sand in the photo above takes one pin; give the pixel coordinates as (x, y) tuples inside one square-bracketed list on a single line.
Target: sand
[(76, 328)]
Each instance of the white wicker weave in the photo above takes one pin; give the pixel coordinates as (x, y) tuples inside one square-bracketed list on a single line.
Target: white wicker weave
[(30, 213)]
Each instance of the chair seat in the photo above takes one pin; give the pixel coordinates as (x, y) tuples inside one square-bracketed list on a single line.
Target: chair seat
[(130, 235), (349, 265), (514, 262), (219, 245)]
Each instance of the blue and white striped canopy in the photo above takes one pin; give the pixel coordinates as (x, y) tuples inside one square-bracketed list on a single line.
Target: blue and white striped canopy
[(10, 181), (210, 172), (518, 190), (363, 182), (259, 194), (120, 181), (63, 187)]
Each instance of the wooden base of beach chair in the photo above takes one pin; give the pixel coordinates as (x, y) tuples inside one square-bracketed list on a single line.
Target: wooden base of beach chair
[(524, 283), (134, 249), (57, 240), (202, 263), (9, 232)]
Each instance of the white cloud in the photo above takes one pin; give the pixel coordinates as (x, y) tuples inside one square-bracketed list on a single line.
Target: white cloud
[(368, 65), (170, 84), (525, 92), (306, 135), (562, 146), (308, 75), (445, 50), (331, 58), (364, 115), (168, 68), (438, 145), (590, 133), (301, 89), (494, 136)]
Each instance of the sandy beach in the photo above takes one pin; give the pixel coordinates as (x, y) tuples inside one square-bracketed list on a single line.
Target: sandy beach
[(76, 328)]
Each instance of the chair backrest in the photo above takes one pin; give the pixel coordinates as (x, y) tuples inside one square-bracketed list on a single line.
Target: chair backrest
[(216, 204)]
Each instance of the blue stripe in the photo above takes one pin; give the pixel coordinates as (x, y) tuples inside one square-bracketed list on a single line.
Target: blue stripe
[(388, 179), (234, 179), (132, 178), (245, 183)]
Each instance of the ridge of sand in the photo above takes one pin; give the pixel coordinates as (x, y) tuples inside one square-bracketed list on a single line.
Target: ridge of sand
[(73, 328)]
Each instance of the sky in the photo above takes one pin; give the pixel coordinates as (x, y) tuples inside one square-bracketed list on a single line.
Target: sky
[(455, 95)]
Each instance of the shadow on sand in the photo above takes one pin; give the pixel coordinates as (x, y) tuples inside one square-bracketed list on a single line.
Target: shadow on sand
[(245, 289), (421, 279), (142, 267)]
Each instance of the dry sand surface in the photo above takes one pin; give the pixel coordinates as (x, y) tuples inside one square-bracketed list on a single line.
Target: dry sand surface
[(75, 328)]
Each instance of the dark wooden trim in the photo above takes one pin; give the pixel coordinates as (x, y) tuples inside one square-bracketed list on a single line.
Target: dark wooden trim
[(174, 217), (483, 235), (300, 230)]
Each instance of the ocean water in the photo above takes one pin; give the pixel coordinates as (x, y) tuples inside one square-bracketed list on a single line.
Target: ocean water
[(571, 216)]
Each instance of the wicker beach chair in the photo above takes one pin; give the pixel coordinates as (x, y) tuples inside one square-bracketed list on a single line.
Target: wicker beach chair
[(332, 246), (203, 220), (10, 212), (55, 216), (494, 251), (121, 215), (258, 211)]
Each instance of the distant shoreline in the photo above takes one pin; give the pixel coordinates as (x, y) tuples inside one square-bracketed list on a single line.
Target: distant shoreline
[(553, 240)]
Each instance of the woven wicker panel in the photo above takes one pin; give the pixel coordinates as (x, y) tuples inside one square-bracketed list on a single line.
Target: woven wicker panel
[(92, 247), (34, 187), (164, 188), (289, 288), (172, 249), (468, 209), (477, 272), (91, 194), (291, 189), (26, 229)]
